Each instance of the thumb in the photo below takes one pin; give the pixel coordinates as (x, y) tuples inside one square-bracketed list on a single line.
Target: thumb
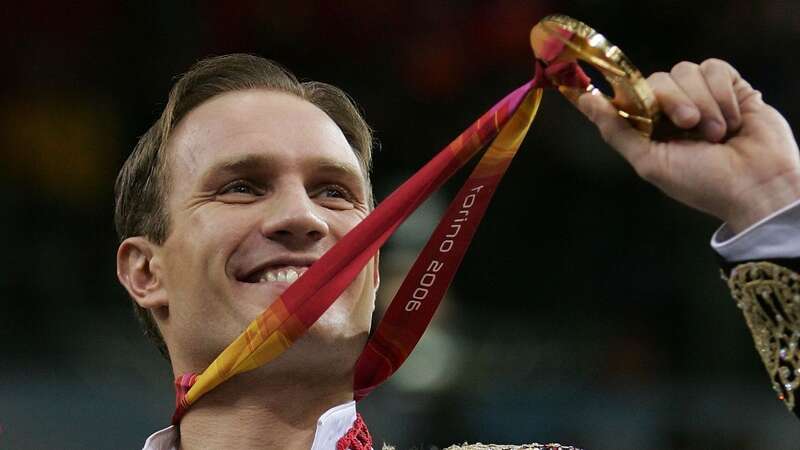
[(616, 131)]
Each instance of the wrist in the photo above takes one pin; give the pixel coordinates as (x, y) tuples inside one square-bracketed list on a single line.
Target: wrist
[(770, 197)]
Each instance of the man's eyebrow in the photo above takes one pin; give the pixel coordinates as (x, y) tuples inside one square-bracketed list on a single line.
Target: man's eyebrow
[(263, 163), (332, 166), (239, 164)]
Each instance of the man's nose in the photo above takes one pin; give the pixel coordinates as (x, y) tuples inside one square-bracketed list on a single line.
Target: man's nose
[(292, 219)]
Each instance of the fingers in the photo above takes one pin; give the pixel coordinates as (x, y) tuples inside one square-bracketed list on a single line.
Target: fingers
[(615, 130), (709, 97), (748, 99), (689, 77), (721, 80), (674, 102), (702, 96)]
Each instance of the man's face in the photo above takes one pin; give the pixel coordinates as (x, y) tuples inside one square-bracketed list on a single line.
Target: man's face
[(262, 184)]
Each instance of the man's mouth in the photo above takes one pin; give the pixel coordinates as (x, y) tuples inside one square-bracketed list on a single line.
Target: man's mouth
[(284, 274), (279, 269), (288, 274)]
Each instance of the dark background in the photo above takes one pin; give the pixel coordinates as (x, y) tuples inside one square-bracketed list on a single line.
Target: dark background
[(589, 310)]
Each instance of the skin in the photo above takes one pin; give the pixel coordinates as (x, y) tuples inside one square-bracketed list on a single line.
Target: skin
[(258, 177), (746, 168)]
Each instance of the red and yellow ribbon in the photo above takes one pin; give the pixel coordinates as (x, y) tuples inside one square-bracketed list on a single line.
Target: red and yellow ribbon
[(502, 130)]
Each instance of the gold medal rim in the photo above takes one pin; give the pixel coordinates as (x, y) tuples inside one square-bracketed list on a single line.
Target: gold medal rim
[(633, 97)]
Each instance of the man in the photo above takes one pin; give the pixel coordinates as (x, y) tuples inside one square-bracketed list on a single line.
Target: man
[(248, 177)]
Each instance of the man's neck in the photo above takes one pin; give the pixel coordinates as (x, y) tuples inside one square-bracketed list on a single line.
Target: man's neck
[(246, 412)]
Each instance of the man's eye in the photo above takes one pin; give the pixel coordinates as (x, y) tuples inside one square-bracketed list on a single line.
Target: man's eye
[(239, 187), (335, 191)]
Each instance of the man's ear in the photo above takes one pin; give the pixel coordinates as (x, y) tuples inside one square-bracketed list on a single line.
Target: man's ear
[(138, 269), (376, 275)]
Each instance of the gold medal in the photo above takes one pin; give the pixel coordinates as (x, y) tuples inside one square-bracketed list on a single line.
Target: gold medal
[(578, 42)]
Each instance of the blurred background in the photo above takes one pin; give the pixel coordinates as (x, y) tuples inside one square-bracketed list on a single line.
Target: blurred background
[(589, 310)]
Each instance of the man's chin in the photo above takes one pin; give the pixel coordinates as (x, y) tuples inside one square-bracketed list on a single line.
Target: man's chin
[(319, 355), (338, 336), (260, 295)]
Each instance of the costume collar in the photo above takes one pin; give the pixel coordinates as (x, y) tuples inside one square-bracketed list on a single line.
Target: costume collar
[(331, 425)]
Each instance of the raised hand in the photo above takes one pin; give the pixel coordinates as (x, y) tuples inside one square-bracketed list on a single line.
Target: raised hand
[(745, 167)]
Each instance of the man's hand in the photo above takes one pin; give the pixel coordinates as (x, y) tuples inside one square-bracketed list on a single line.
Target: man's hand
[(747, 165)]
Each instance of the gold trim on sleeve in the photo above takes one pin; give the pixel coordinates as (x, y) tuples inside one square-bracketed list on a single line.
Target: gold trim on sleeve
[(769, 297)]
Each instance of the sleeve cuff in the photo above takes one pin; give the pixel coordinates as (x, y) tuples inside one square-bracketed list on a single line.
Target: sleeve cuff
[(776, 236)]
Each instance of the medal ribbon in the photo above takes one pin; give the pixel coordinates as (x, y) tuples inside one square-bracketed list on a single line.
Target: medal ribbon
[(503, 128)]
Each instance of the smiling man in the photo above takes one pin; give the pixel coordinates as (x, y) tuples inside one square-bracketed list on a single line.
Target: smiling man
[(249, 177), (246, 180)]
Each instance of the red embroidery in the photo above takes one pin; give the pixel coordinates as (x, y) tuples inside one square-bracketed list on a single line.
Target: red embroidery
[(357, 437)]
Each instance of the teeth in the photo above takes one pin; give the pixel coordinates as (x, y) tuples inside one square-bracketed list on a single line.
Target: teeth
[(288, 275)]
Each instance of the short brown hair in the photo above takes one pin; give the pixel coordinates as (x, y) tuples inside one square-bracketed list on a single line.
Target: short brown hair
[(142, 184)]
